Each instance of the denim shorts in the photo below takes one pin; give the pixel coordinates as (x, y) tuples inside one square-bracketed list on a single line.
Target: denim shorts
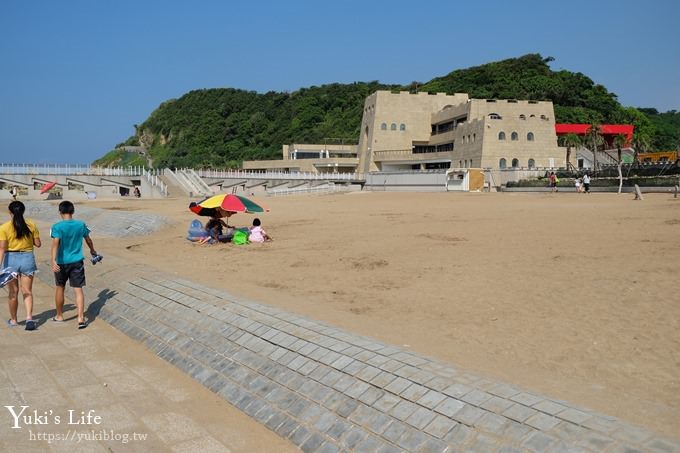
[(22, 262)]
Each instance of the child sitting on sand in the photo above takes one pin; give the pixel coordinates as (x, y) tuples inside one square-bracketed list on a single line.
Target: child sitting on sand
[(257, 234)]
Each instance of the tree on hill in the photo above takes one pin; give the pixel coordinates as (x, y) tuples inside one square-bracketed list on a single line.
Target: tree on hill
[(666, 133), (596, 139), (580, 100)]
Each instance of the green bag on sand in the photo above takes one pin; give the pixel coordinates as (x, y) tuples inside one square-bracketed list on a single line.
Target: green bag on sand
[(239, 238)]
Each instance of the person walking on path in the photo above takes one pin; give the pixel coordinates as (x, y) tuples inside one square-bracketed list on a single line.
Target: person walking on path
[(553, 181), (67, 260), (586, 183), (18, 237)]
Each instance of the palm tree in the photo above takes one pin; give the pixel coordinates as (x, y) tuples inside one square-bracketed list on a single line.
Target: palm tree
[(596, 139), (570, 141), (640, 143), (620, 141)]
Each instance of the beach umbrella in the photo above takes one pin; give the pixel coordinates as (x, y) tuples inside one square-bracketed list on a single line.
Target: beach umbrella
[(48, 186), (224, 205)]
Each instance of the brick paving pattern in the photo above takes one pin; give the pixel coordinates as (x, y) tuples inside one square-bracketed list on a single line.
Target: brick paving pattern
[(104, 222), (145, 405), (328, 390)]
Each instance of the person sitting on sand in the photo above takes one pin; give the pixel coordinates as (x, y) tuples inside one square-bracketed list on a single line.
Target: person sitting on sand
[(257, 234), (215, 230)]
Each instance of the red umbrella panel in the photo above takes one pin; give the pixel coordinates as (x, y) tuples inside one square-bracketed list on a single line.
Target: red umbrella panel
[(48, 186)]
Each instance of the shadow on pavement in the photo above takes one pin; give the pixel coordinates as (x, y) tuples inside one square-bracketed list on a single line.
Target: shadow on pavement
[(95, 307)]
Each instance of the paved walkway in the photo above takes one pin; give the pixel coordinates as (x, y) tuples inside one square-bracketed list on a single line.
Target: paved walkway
[(327, 390), (145, 404), (102, 222)]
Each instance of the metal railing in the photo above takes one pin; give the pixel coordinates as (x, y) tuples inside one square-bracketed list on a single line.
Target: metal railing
[(196, 180), (69, 170), (330, 188), (186, 183), (250, 174), (409, 155), (155, 181)]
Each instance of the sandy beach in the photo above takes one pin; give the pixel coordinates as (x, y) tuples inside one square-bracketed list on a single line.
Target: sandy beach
[(574, 296)]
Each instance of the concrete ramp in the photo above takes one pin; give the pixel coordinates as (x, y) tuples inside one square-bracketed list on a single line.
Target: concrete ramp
[(328, 390), (104, 222)]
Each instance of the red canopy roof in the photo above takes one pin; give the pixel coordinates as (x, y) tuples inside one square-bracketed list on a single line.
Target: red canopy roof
[(608, 130)]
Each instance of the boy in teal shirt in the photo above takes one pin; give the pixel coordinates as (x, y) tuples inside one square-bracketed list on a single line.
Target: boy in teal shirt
[(67, 259)]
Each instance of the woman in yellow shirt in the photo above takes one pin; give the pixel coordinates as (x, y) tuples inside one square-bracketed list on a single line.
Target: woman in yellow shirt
[(17, 239)]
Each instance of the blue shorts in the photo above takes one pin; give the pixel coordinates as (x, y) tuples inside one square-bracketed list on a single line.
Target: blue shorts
[(22, 262)]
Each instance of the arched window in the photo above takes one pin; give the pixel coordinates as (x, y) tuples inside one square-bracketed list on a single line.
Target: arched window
[(530, 136), (532, 116), (543, 117), (515, 163), (393, 126), (514, 137), (474, 138), (502, 163), (532, 163), (501, 135), (522, 116), (460, 164), (383, 127), (495, 116), (402, 127)]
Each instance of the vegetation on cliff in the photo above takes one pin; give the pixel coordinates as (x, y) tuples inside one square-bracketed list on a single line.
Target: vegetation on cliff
[(217, 128)]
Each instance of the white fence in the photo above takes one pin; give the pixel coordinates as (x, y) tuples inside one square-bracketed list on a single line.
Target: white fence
[(249, 174), (300, 190), (155, 181), (68, 170), (83, 169)]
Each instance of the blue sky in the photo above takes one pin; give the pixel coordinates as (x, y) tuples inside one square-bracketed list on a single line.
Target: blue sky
[(76, 75)]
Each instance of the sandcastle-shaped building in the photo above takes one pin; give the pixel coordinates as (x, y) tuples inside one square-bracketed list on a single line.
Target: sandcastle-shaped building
[(405, 131)]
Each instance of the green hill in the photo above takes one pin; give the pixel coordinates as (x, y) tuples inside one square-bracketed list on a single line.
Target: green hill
[(221, 127), (666, 129)]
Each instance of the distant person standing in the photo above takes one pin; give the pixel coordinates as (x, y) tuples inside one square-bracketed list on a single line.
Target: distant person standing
[(67, 260), (553, 181), (586, 183), (137, 192), (13, 192)]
